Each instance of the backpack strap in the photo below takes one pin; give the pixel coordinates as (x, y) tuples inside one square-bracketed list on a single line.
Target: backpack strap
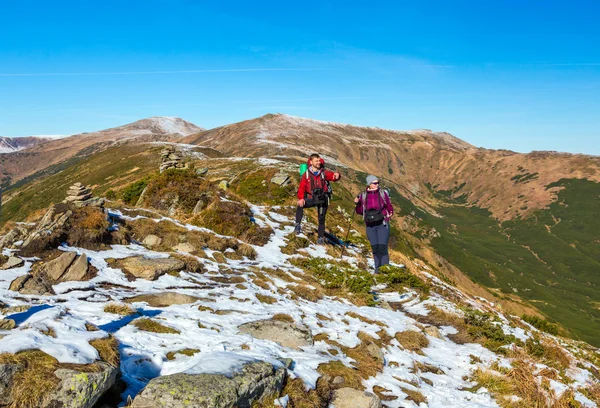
[(363, 200)]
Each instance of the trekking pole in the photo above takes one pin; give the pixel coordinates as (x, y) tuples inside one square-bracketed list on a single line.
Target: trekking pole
[(350, 220)]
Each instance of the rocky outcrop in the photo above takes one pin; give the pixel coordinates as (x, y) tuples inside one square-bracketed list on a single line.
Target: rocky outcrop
[(351, 398), (64, 268), (150, 269), (171, 159), (32, 285), (254, 382), (285, 333), (79, 389), (78, 193)]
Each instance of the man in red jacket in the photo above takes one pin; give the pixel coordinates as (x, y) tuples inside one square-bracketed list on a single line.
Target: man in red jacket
[(314, 191)]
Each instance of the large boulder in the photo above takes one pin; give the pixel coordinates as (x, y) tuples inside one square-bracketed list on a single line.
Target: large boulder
[(351, 398), (77, 271), (79, 389), (253, 383), (57, 267), (150, 268), (285, 333)]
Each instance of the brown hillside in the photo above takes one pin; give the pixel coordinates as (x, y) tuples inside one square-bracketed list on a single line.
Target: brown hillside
[(505, 182)]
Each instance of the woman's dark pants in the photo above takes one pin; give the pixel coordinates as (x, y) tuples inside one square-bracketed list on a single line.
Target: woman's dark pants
[(379, 235)]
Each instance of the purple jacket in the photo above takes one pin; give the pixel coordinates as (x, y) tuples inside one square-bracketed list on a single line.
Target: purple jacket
[(374, 201)]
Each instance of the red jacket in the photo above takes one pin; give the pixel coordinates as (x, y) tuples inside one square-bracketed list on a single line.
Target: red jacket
[(305, 188)]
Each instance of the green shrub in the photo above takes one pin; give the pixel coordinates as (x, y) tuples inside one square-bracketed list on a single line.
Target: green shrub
[(338, 276), (481, 326), (132, 193), (542, 324), (110, 194), (393, 275)]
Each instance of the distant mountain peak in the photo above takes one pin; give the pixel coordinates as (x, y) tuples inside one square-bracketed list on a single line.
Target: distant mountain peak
[(161, 124), (14, 144)]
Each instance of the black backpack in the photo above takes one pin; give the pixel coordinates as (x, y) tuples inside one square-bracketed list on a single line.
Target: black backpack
[(374, 215)]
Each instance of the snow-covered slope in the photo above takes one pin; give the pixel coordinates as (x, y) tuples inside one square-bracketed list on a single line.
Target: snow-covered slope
[(440, 371), (14, 144)]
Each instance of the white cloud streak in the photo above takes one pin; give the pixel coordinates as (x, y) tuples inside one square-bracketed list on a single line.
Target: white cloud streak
[(191, 71)]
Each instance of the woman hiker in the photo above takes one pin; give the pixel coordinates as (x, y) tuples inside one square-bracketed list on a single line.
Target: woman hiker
[(314, 191), (376, 208)]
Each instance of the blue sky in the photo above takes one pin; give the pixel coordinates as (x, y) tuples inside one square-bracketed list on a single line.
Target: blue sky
[(512, 74)]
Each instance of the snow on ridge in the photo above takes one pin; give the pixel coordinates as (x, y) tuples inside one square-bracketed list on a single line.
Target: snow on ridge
[(170, 124)]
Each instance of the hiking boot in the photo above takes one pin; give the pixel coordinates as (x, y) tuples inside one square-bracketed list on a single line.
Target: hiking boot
[(321, 241), (298, 229)]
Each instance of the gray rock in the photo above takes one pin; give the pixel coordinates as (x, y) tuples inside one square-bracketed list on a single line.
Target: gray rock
[(12, 262), (77, 271), (338, 380), (9, 238), (150, 269), (82, 389), (184, 247), (152, 240), (31, 285), (58, 266), (281, 179), (7, 372), (201, 204), (351, 398), (433, 331), (173, 207), (79, 197), (18, 283), (202, 172), (285, 333), (97, 202), (78, 192), (253, 383)]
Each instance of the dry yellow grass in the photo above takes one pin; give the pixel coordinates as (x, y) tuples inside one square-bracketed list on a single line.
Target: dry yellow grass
[(351, 376), (266, 299), (108, 349), (120, 309), (414, 396), (186, 352), (412, 340), (153, 326), (365, 319), (282, 317), (303, 291), (34, 380)]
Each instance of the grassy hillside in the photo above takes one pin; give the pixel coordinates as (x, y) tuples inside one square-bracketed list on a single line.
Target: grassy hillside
[(550, 259), (110, 168)]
